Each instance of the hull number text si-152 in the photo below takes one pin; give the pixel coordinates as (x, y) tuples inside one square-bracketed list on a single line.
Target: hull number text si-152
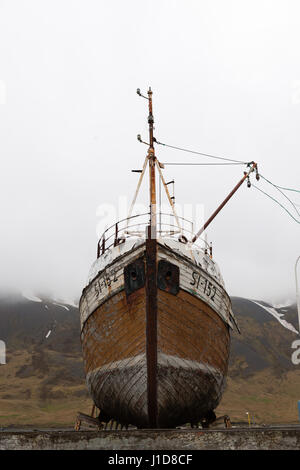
[(203, 284), (104, 283)]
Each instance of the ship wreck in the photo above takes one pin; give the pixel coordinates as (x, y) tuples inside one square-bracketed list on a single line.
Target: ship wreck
[(155, 315)]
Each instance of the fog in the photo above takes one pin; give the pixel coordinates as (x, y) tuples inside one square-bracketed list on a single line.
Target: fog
[(226, 81)]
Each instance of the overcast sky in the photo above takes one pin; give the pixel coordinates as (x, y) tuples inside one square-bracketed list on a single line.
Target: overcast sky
[(226, 81)]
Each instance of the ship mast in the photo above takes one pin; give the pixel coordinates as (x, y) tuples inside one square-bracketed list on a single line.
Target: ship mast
[(153, 162), (151, 283), (151, 159)]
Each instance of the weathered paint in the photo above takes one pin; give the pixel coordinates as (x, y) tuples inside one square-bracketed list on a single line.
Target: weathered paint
[(192, 347), (151, 329), (110, 279), (220, 302), (108, 282), (193, 352), (114, 352)]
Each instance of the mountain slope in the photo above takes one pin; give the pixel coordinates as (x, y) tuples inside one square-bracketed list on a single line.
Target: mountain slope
[(262, 378), (43, 381)]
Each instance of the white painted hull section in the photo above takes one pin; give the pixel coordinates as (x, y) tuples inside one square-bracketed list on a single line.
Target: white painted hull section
[(193, 278)]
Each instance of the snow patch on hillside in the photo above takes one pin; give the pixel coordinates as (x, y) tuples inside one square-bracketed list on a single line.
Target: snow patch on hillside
[(63, 306), (30, 296), (278, 316), (282, 305), (64, 302)]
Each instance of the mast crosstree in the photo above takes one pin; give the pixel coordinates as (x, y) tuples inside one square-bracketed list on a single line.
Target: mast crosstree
[(153, 163)]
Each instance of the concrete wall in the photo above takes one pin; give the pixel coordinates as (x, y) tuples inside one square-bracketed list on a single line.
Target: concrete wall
[(231, 439)]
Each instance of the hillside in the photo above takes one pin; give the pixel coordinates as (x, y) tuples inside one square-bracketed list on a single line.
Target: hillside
[(43, 380), (262, 378)]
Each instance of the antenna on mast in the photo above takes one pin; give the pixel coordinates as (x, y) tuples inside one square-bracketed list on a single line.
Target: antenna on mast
[(151, 159), (153, 162)]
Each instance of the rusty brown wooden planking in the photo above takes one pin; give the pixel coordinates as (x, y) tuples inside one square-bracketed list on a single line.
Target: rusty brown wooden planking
[(154, 358), (155, 316)]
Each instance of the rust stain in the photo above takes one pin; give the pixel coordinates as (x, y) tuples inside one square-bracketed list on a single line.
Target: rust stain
[(188, 360), (151, 327), (189, 328), (115, 330)]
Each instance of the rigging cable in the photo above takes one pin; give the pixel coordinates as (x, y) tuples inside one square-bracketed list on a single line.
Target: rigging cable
[(200, 164), (279, 189), (277, 202), (286, 189), (236, 162), (201, 153)]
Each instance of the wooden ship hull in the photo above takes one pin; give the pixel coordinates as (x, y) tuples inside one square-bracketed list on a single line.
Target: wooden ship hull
[(155, 336), (155, 315)]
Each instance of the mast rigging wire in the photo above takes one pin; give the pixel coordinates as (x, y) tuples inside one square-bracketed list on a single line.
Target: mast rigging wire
[(234, 162), (200, 153), (200, 164), (289, 189), (285, 189), (279, 189), (277, 202)]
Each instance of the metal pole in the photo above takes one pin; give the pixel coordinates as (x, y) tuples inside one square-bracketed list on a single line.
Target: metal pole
[(297, 292), (137, 190), (168, 196), (151, 156), (160, 207), (224, 202), (151, 284)]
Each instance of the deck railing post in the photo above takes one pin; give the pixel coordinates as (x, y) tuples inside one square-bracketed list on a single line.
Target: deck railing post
[(116, 234)]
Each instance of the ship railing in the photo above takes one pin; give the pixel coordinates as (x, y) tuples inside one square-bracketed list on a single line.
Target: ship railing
[(135, 227)]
